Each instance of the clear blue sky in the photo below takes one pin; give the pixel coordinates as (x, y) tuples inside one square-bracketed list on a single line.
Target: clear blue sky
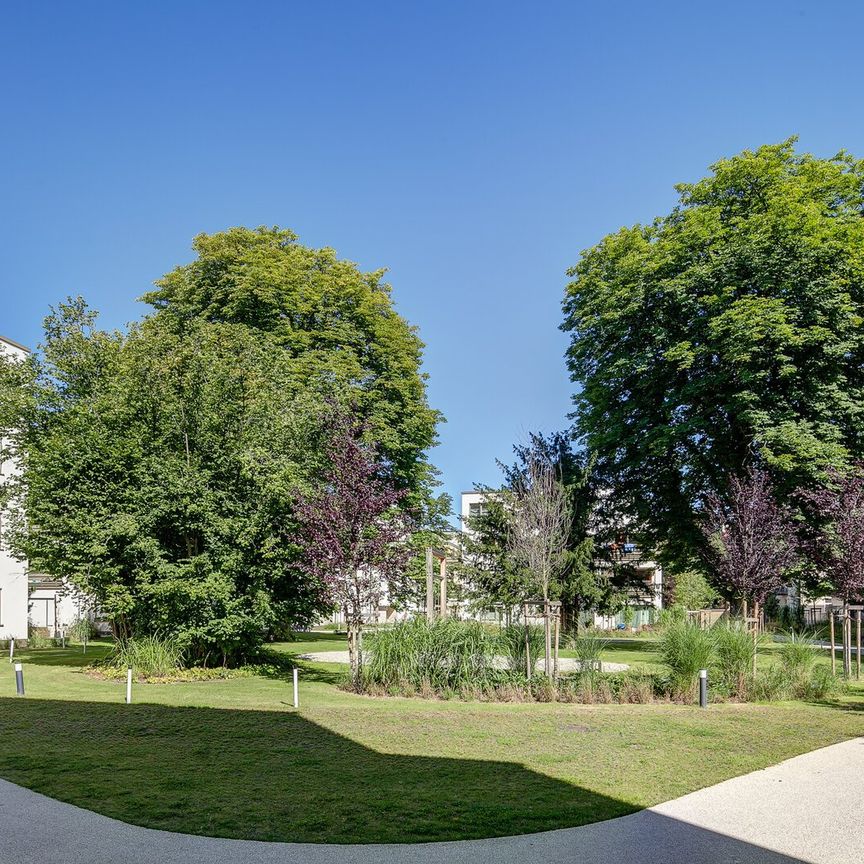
[(472, 148)]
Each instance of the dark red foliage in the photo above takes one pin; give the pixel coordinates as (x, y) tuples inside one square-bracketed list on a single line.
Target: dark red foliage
[(751, 541), (835, 532), (354, 538)]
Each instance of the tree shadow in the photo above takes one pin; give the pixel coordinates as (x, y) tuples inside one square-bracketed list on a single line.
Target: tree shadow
[(281, 777), (72, 656)]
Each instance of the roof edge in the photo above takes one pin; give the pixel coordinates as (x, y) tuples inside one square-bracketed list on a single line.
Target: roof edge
[(15, 344)]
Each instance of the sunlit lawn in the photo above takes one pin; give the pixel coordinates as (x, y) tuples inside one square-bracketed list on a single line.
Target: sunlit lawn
[(233, 758)]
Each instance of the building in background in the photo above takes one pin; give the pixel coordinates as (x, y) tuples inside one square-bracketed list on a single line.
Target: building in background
[(646, 594), (14, 587)]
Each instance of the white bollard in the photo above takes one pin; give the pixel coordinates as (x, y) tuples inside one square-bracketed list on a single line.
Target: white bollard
[(296, 693), (129, 686), (11, 649), (19, 679)]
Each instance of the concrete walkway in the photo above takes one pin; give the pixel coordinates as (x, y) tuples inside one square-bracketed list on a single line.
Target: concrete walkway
[(808, 809), (565, 664)]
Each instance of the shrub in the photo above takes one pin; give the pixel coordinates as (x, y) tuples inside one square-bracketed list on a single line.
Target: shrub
[(685, 649), (149, 656), (447, 656), (36, 638), (798, 655), (588, 647), (735, 649), (512, 641), (822, 684), (769, 684)]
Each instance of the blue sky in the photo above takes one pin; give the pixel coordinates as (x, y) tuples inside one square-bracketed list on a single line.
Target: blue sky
[(474, 149)]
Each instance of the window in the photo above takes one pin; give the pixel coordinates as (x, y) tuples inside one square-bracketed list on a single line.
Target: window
[(478, 508)]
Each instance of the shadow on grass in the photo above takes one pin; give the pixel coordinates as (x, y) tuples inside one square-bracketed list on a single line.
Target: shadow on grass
[(72, 656), (279, 776)]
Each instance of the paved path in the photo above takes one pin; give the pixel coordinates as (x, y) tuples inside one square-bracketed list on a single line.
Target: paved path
[(565, 664), (808, 809)]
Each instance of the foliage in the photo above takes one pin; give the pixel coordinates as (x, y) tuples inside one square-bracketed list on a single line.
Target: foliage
[(150, 656), (160, 466), (586, 579), (835, 532), (512, 641), (588, 645), (685, 649), (693, 591), (729, 326), (798, 656), (735, 649), (751, 540), (446, 656), (352, 535)]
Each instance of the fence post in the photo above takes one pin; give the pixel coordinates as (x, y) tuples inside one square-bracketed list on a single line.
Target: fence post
[(703, 688), (19, 679)]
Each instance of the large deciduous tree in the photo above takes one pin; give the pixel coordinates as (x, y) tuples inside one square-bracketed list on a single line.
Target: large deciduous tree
[(730, 327), (160, 465), (354, 539)]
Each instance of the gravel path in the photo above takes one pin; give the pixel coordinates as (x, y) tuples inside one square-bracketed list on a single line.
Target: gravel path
[(807, 809), (565, 664)]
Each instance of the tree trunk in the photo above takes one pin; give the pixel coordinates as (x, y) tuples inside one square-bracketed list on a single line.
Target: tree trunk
[(547, 632), (355, 651)]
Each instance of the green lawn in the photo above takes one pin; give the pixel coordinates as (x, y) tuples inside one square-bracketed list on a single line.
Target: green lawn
[(232, 758)]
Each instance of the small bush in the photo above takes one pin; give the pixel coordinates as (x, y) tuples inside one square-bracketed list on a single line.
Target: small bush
[(735, 653), (685, 649), (588, 647), (447, 656), (798, 656), (822, 684), (512, 642), (148, 656), (770, 684), (36, 638)]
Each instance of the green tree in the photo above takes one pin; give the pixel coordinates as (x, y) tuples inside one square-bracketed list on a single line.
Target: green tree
[(727, 330), (160, 466)]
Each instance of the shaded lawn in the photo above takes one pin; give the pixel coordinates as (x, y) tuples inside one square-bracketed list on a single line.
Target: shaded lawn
[(231, 758)]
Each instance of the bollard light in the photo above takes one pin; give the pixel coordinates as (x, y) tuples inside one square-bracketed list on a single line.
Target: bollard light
[(11, 649), (19, 679), (129, 686), (703, 688), (296, 693)]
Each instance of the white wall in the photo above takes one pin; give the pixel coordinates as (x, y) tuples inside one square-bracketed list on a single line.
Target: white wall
[(13, 574)]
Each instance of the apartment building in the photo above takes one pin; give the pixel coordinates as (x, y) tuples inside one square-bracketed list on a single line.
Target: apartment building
[(14, 589)]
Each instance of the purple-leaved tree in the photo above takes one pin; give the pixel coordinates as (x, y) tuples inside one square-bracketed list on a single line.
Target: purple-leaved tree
[(835, 538), (751, 541), (353, 535)]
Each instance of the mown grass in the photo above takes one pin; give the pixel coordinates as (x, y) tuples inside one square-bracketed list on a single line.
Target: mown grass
[(232, 758)]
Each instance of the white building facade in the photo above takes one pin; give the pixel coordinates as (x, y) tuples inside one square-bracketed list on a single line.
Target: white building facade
[(14, 589), (646, 595)]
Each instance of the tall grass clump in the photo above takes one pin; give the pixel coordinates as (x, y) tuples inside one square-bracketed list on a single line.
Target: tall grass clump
[(736, 650), (798, 656), (512, 641), (685, 648), (149, 656), (588, 646), (447, 656)]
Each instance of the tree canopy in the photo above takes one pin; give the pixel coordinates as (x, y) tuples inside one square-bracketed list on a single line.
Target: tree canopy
[(728, 330), (161, 465)]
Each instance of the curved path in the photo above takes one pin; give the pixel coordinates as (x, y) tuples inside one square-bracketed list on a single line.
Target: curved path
[(808, 809)]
